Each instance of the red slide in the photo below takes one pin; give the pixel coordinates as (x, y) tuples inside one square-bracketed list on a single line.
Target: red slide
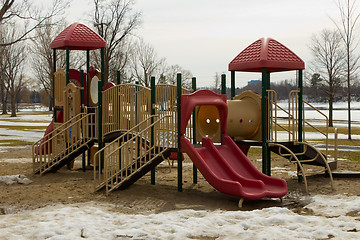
[(48, 134), (229, 171)]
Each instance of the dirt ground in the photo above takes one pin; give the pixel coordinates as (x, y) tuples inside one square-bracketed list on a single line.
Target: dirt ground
[(72, 186)]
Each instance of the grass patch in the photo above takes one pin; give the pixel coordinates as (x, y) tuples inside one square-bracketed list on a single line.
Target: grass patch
[(348, 155), (255, 151), (22, 121), (25, 128), (341, 130)]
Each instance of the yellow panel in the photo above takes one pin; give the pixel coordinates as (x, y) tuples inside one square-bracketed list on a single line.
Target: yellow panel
[(208, 123), (59, 85), (244, 116)]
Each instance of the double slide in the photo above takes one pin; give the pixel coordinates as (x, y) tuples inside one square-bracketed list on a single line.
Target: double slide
[(229, 171)]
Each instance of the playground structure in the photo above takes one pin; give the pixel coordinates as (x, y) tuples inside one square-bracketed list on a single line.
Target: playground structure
[(136, 127)]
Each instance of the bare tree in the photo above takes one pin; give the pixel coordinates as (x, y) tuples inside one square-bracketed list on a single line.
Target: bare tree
[(29, 16), (42, 59), (145, 63), (328, 60), (121, 62), (217, 83), (169, 75), (114, 20), (349, 15), (13, 57)]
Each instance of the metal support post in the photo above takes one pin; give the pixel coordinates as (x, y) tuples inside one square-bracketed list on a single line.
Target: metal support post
[(179, 153)]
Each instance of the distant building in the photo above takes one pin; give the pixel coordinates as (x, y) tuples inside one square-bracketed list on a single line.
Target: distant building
[(252, 82)]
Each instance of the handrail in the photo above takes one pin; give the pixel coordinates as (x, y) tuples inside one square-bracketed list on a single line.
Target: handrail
[(58, 127), (292, 115), (326, 133), (296, 159), (78, 132), (131, 151)]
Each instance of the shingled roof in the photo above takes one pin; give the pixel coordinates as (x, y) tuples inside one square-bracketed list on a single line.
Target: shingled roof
[(268, 53), (78, 37)]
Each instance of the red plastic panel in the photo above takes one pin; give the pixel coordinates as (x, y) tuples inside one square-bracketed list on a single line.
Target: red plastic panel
[(46, 148), (78, 37), (268, 53), (202, 97), (75, 77)]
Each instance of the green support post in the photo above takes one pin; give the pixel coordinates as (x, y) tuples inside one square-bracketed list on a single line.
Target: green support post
[(300, 114), (193, 83), (67, 65), (87, 92), (82, 111), (179, 153), (232, 84), (152, 140), (264, 117), (268, 152), (87, 77), (67, 81), (100, 86), (118, 79), (119, 114), (223, 91), (53, 84), (223, 83)]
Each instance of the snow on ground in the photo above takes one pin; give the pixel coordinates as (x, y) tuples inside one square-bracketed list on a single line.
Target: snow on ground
[(28, 117), (37, 120), (16, 160), (12, 179), (28, 136), (97, 221)]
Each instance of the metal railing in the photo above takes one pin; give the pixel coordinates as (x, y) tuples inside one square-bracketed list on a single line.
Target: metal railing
[(292, 116), (124, 106), (133, 150), (63, 140)]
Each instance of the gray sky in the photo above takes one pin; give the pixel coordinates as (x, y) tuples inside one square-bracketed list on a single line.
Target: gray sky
[(203, 36)]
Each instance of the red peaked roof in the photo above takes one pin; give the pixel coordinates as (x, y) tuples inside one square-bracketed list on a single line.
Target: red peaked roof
[(268, 53), (78, 37)]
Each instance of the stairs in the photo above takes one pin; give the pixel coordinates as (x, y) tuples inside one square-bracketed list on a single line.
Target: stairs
[(308, 155), (64, 143), (132, 154), (64, 158), (128, 176)]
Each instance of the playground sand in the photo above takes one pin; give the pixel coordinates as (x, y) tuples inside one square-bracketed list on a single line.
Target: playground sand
[(74, 186)]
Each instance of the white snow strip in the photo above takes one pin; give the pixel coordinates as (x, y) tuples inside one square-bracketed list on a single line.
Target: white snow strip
[(28, 117), (16, 160), (289, 172), (97, 221), (29, 136), (24, 124)]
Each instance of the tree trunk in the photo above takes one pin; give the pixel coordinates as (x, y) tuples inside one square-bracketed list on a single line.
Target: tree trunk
[(12, 102), (348, 93), (331, 101), (50, 103), (3, 98)]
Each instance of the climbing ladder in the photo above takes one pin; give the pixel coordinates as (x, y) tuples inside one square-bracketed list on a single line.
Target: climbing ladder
[(299, 152), (67, 141), (134, 153)]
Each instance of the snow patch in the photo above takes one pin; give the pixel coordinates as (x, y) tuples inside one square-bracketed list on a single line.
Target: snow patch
[(12, 179), (99, 221), (334, 206)]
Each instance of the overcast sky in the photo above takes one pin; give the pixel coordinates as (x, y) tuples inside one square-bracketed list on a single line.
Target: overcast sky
[(203, 36)]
